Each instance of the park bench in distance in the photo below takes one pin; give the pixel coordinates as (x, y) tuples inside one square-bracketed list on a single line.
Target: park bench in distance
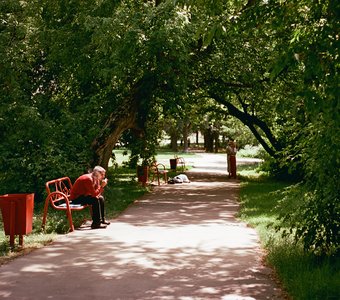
[(181, 163), (58, 193), (157, 170)]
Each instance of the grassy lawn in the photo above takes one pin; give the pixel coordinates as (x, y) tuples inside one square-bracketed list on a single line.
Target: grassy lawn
[(122, 156), (304, 276)]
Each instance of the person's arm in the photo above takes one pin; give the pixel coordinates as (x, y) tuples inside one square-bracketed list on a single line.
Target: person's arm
[(90, 188), (99, 187)]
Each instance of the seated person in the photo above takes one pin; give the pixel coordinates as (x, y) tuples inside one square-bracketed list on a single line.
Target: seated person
[(88, 189)]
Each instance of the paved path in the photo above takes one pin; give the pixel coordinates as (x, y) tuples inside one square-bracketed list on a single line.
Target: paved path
[(178, 242)]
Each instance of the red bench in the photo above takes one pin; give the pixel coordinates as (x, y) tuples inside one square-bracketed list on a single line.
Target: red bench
[(157, 170), (58, 193)]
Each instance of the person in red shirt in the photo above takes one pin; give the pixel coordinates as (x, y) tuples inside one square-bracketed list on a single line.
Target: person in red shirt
[(231, 158), (88, 189)]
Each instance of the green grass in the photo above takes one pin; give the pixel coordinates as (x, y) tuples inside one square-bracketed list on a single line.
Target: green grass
[(304, 276), (249, 151), (122, 156), (249, 171)]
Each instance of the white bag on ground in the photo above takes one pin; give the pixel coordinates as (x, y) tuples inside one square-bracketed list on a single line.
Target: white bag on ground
[(181, 178)]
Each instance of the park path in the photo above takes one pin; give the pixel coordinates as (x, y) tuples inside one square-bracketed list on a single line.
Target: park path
[(178, 242)]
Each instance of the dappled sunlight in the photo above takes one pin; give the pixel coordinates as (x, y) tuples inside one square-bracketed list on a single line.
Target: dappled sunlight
[(157, 252), (161, 260), (179, 241)]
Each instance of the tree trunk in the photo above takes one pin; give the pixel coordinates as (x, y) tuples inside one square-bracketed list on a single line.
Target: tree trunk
[(132, 113), (216, 142), (116, 124), (209, 140), (173, 139)]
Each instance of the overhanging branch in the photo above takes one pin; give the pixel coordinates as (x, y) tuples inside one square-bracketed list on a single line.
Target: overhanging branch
[(251, 122)]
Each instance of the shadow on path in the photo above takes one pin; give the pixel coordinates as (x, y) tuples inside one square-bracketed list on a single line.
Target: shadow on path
[(177, 242)]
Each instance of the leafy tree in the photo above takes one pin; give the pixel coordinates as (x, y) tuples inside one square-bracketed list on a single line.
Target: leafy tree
[(84, 73), (281, 79), (315, 43), (23, 131)]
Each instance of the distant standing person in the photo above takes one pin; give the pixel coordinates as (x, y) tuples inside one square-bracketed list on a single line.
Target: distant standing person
[(88, 189), (231, 158)]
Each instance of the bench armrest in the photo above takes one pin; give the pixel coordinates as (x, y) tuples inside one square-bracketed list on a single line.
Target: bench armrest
[(58, 200)]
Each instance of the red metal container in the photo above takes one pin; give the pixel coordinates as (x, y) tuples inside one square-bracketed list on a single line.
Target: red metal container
[(17, 214), (143, 174)]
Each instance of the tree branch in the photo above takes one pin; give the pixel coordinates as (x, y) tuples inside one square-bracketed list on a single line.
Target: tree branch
[(251, 122)]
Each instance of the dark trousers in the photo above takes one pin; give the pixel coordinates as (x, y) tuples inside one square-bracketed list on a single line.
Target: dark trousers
[(97, 206)]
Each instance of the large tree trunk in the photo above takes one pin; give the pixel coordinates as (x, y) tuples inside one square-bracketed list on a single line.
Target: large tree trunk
[(119, 121), (173, 139), (208, 140), (132, 113)]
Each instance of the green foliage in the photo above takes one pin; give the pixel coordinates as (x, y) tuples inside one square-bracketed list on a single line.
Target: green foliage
[(71, 72), (317, 220), (313, 220), (40, 137), (280, 61), (304, 275)]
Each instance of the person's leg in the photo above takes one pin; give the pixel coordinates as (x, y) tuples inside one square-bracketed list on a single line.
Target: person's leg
[(102, 210), (228, 165), (95, 208), (233, 166)]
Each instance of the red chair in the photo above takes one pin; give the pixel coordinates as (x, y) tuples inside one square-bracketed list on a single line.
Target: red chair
[(156, 171)]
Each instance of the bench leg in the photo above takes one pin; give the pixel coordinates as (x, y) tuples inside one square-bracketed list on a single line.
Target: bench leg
[(69, 217), (45, 213)]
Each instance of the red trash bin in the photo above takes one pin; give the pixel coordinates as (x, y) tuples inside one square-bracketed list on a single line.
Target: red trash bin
[(17, 215), (142, 174)]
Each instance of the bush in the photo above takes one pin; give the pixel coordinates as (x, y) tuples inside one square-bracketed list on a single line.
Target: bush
[(313, 220)]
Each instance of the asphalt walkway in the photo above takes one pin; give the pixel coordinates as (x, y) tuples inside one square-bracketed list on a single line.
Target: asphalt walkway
[(179, 242)]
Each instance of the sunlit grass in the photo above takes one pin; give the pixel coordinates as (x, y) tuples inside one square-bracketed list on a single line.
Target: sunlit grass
[(32, 241), (250, 171), (303, 275), (249, 151)]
